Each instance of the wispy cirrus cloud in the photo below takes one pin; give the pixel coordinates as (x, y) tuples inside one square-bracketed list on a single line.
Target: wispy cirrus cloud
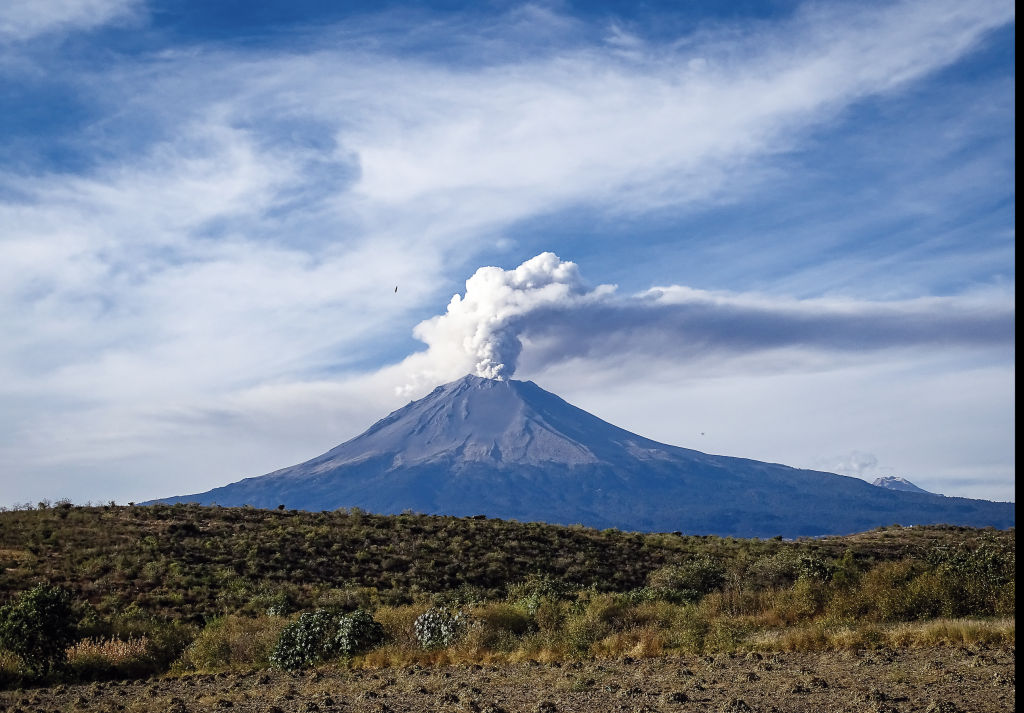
[(233, 246), (25, 19)]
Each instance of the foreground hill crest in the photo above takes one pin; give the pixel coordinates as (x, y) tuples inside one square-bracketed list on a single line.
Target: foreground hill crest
[(510, 449)]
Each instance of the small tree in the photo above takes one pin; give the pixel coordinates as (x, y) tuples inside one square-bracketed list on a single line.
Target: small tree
[(39, 627)]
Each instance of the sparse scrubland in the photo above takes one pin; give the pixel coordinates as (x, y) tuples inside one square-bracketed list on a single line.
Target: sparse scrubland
[(191, 591)]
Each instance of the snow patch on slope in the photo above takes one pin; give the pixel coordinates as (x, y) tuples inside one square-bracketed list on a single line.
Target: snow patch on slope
[(894, 483)]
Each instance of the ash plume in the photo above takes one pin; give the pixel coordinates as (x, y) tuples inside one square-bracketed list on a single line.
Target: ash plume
[(483, 327), (545, 303)]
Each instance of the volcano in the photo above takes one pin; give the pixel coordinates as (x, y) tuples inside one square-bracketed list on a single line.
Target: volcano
[(510, 449)]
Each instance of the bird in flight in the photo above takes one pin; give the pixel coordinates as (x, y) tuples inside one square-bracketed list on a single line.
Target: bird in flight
[(396, 289)]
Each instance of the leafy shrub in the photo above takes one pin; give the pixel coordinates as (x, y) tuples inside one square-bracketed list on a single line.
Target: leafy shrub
[(357, 632), (701, 575), (232, 641), (306, 641), (780, 569), (502, 616), (499, 626), (552, 614), (988, 564), (323, 635), (815, 568), (270, 603), (39, 627), (690, 630), (466, 595), (887, 593), (979, 581), (601, 615), (439, 628), (535, 591), (350, 598), (661, 594), (581, 633)]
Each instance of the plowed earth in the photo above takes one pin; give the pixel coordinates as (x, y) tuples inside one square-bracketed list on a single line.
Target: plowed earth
[(935, 680)]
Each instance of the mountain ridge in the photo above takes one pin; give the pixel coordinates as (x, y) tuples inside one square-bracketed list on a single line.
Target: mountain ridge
[(510, 449), (896, 483)]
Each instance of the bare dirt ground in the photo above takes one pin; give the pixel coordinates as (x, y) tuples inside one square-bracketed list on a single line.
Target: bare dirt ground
[(934, 680)]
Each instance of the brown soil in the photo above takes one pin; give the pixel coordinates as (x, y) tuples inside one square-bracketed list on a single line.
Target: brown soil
[(933, 680)]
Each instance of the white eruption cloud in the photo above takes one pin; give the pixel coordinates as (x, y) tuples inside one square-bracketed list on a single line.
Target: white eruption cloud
[(482, 328), (545, 303), (855, 464)]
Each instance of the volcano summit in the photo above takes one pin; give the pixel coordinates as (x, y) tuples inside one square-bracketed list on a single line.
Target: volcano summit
[(509, 449)]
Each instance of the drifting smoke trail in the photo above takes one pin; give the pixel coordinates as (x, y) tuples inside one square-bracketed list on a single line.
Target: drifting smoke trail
[(545, 301)]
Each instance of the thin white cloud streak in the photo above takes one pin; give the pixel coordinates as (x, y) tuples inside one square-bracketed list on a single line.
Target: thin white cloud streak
[(26, 19), (668, 128), (166, 288)]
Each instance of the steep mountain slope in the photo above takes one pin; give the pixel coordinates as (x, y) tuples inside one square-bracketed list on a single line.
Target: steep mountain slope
[(894, 483), (509, 449)]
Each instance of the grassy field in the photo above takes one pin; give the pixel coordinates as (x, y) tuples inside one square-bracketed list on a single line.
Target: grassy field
[(188, 589)]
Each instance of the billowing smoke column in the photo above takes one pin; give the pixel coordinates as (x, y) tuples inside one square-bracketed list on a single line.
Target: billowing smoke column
[(487, 321)]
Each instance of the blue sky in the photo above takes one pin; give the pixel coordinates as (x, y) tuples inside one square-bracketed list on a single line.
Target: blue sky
[(806, 211)]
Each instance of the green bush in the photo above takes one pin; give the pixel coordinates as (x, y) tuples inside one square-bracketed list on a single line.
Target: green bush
[(306, 641), (233, 642), (535, 591), (357, 632), (323, 635), (438, 628), (661, 594), (691, 630), (701, 575), (38, 628), (500, 626)]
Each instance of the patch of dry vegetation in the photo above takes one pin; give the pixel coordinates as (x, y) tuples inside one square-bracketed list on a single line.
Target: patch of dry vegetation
[(112, 652), (192, 590)]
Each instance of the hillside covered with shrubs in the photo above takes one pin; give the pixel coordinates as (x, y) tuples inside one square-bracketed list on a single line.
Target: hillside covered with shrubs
[(182, 588)]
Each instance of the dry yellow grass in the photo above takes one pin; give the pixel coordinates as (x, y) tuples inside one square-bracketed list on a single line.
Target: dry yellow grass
[(651, 641), (953, 632), (14, 555), (940, 632), (114, 651)]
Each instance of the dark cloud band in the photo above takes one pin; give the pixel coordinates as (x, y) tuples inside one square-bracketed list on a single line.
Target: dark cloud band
[(708, 326)]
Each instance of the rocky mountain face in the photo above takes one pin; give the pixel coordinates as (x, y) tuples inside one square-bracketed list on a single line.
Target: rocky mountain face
[(509, 449), (894, 483)]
